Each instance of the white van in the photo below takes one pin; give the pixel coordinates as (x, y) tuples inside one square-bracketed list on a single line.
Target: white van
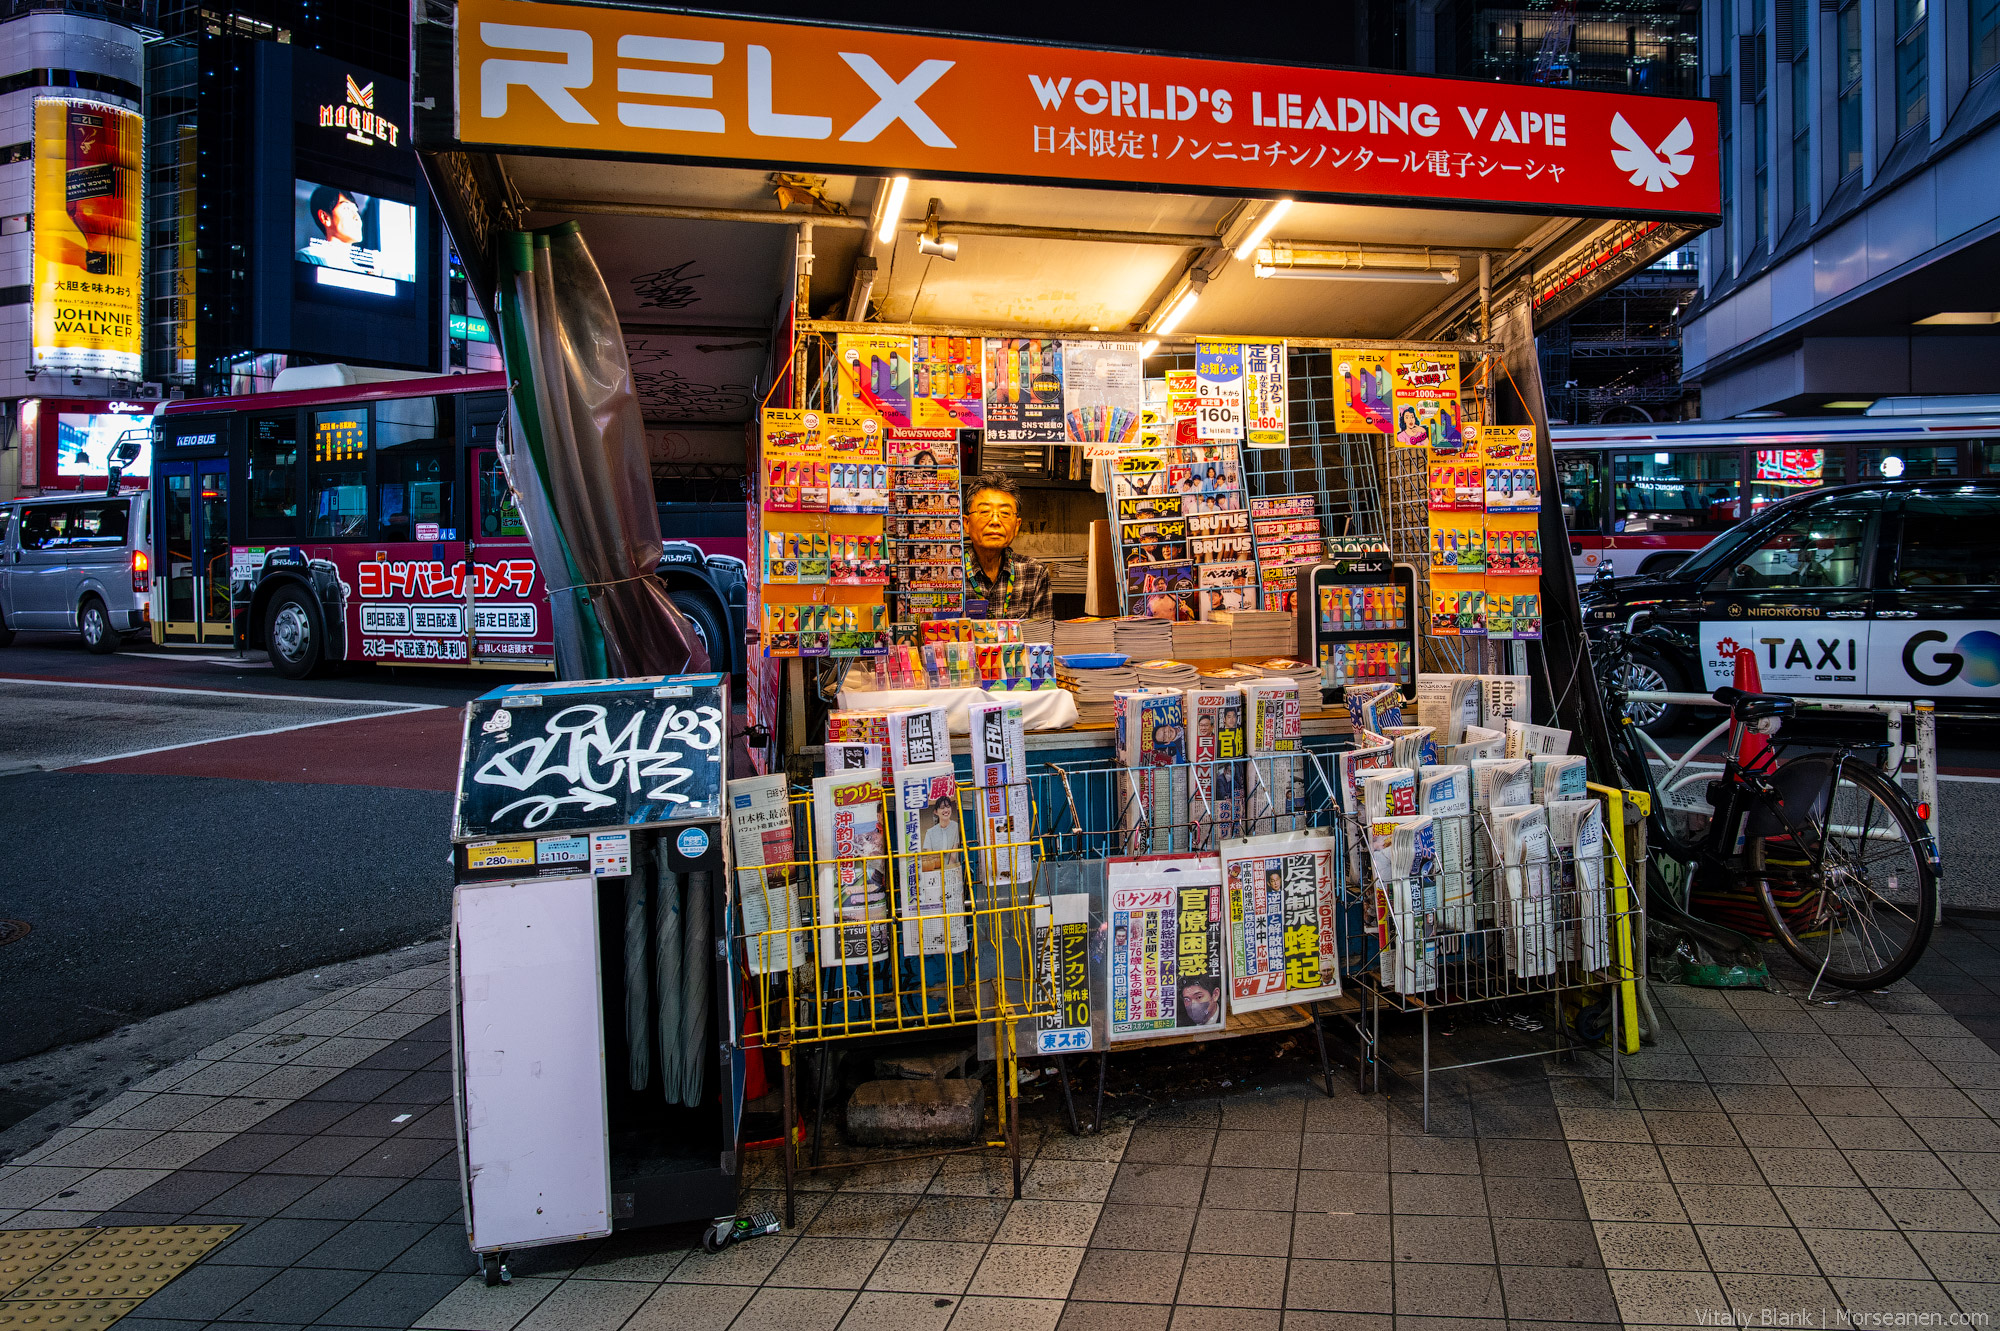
[(75, 564)]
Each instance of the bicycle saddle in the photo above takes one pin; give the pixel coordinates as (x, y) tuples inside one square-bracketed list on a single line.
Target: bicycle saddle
[(1745, 706)]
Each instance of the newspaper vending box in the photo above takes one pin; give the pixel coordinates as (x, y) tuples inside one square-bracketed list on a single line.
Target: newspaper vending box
[(597, 1083)]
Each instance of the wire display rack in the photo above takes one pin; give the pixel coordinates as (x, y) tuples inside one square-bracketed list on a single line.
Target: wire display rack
[(869, 941), (1497, 917)]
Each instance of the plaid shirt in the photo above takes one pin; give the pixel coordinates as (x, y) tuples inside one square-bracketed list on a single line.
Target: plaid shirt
[(1020, 592)]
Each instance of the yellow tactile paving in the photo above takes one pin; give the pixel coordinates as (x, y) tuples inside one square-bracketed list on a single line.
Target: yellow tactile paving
[(74, 1278), (25, 1253), (62, 1314)]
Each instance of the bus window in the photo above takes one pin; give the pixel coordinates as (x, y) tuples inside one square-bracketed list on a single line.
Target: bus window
[(1780, 473), (1675, 492), (498, 515), (1582, 478), (1897, 463), (1985, 457), (338, 478), (413, 470), (274, 476), (1820, 548)]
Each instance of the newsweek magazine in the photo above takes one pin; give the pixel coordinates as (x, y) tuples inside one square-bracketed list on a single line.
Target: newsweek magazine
[(930, 862), (1164, 963), (1283, 908), (853, 849)]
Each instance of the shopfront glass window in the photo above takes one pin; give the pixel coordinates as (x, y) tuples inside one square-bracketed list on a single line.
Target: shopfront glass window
[(1780, 473), (1818, 550), (274, 476), (337, 487), (1675, 491), (1907, 464), (1948, 541)]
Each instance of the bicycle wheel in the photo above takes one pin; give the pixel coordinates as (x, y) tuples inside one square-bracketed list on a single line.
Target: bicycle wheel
[(1848, 885)]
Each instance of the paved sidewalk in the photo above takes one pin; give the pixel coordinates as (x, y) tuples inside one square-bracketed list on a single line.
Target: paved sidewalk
[(1770, 1161)]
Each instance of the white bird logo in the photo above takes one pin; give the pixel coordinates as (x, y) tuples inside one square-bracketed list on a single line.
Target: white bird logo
[(1655, 168)]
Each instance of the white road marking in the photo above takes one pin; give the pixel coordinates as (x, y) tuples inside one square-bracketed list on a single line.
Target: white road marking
[(219, 693), (252, 734)]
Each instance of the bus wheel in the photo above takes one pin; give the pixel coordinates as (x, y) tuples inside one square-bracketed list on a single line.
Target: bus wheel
[(695, 609), (292, 634)]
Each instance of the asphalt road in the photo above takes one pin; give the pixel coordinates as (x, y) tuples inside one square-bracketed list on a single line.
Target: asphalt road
[(177, 825)]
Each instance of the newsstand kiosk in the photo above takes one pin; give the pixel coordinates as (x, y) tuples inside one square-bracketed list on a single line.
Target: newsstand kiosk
[(595, 1077)]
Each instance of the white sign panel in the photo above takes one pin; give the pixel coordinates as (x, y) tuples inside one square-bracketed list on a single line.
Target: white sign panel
[(1813, 657)]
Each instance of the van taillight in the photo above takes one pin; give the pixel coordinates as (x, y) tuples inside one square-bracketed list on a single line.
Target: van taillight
[(142, 572)]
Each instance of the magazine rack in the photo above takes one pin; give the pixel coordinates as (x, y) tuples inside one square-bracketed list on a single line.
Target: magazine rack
[(873, 941)]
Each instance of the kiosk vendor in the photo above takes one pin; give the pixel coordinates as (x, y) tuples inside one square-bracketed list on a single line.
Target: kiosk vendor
[(1000, 582)]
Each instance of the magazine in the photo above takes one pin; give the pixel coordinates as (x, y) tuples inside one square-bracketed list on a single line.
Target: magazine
[(1152, 786)]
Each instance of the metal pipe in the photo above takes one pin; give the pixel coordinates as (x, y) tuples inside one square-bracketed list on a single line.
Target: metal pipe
[(1166, 344), (847, 221), (861, 286)]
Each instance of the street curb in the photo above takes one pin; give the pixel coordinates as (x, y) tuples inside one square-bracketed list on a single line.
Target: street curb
[(79, 1076)]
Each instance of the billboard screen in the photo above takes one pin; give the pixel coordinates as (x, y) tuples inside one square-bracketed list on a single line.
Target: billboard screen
[(352, 240), (86, 249), (84, 443)]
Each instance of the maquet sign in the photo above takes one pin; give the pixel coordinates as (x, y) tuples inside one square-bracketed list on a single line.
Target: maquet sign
[(579, 78)]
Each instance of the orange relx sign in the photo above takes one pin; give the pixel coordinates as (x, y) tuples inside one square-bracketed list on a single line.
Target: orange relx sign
[(582, 78)]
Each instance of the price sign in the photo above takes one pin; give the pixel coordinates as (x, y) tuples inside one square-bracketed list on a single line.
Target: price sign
[(1218, 408)]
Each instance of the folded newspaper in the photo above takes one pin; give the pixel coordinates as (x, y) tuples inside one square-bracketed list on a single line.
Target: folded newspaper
[(1559, 777), (1404, 851), (1496, 783), (1003, 818), (1444, 795), (1283, 912), (1527, 903), (1218, 776), (853, 849), (760, 826), (1576, 829), (1152, 786), (1164, 964), (1277, 789)]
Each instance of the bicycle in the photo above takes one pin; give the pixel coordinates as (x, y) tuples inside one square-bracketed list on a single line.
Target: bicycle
[(1843, 866)]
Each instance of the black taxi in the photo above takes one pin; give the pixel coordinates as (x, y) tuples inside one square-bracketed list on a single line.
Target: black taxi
[(1888, 590)]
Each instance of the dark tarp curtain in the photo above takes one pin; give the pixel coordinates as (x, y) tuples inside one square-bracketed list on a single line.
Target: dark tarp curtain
[(1560, 662), (579, 418)]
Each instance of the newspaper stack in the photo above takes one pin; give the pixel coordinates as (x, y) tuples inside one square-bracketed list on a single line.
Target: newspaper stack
[(1141, 638), (1094, 690), (1527, 909), (1448, 704), (1165, 674), (1038, 630), (1218, 780), (767, 901), (1369, 752), (1525, 741), (1478, 742), (1559, 777), (1497, 783), (1444, 795), (1576, 828), (1151, 747), (1406, 859), (1258, 632), (1277, 786), (1414, 746), (1305, 677), (999, 746), (1080, 636), (1202, 640), (1374, 707)]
